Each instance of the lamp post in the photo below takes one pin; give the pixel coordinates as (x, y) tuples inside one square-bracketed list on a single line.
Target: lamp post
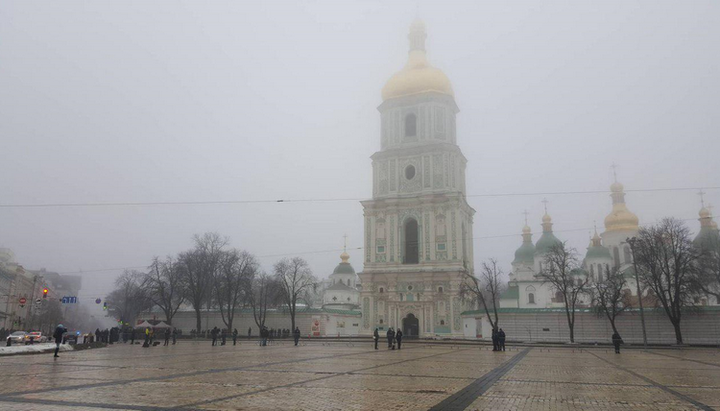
[(633, 243)]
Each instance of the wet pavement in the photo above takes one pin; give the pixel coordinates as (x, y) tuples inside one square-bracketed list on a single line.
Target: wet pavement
[(353, 376)]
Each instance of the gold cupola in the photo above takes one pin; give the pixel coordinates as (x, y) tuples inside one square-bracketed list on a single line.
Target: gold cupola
[(620, 218), (418, 76)]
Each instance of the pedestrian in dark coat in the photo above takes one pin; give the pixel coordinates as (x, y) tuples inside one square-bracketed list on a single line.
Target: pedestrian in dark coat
[(392, 338), (264, 333), (389, 337), (58, 336), (132, 337), (296, 335), (174, 335), (249, 332), (376, 337), (501, 340), (617, 340), (495, 339), (398, 337), (167, 337), (214, 335), (223, 336), (235, 334)]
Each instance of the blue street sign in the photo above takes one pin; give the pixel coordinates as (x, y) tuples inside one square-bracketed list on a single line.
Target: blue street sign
[(69, 300)]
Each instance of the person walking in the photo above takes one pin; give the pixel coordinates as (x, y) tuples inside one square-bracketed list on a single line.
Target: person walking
[(235, 334), (296, 335), (495, 339), (617, 340), (132, 337), (214, 335), (389, 337), (58, 336), (223, 336), (392, 338), (174, 335), (376, 337), (249, 332), (501, 340), (398, 337), (167, 337)]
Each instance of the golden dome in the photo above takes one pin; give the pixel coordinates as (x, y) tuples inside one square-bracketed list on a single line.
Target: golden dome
[(546, 218), (418, 76), (620, 218), (526, 229), (704, 213), (344, 257)]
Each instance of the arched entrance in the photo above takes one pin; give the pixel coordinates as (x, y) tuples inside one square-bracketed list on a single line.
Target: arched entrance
[(410, 326)]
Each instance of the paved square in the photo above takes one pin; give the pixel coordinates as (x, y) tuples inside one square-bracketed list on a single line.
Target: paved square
[(353, 376)]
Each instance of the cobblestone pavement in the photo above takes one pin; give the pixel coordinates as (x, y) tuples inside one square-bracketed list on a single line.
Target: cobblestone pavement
[(344, 376)]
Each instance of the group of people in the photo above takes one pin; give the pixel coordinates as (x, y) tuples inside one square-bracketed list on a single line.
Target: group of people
[(392, 336), (266, 334), (498, 339)]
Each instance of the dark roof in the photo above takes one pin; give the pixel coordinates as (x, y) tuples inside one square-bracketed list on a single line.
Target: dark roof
[(344, 268)]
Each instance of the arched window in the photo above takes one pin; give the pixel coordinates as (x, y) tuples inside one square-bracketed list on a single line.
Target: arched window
[(411, 242), (442, 322), (531, 294), (382, 290), (592, 272), (531, 298), (440, 290), (626, 252), (410, 125), (616, 256)]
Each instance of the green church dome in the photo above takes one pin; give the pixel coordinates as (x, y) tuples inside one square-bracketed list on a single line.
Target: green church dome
[(546, 242), (344, 268), (525, 254), (598, 251)]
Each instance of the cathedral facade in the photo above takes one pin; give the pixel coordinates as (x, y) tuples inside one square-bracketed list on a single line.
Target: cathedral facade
[(418, 224)]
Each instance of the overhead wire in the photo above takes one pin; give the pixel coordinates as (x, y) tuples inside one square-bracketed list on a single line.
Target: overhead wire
[(323, 200)]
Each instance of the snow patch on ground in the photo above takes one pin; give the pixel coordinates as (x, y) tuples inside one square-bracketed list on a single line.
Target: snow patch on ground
[(35, 348)]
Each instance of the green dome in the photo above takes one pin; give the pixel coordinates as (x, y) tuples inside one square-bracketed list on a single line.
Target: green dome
[(525, 254), (707, 238), (598, 251), (546, 242), (344, 268)]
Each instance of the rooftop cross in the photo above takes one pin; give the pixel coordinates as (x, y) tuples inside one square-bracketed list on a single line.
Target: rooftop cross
[(545, 202), (526, 214), (614, 169), (345, 243), (701, 193)]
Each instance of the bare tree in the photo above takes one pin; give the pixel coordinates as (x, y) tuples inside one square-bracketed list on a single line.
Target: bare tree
[(165, 287), (265, 293), (563, 272), (232, 283), (708, 276), (485, 290), (129, 298), (667, 263), (610, 295), (198, 267), (296, 280)]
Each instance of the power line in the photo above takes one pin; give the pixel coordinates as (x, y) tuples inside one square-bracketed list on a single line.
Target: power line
[(326, 200)]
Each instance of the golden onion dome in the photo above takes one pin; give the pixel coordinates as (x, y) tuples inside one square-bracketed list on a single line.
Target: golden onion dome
[(620, 218), (704, 213), (418, 76)]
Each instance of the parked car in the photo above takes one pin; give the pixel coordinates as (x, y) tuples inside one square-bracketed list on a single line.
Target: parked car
[(35, 336), (18, 337)]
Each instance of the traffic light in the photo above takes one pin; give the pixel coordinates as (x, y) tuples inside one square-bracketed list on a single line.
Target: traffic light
[(45, 291), (105, 306)]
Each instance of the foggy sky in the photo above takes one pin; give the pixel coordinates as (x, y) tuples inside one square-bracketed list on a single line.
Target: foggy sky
[(206, 101)]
